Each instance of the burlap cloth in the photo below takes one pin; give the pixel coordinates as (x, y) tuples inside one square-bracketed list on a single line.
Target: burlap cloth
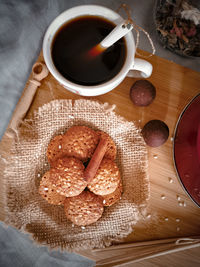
[(47, 224)]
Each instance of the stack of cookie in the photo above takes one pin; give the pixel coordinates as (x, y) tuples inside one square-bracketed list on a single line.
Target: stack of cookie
[(83, 175)]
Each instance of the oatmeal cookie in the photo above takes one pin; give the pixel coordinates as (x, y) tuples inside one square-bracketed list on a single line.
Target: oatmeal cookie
[(106, 179), (84, 209)]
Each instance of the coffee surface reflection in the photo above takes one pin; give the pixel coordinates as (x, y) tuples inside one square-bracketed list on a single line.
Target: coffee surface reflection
[(70, 48)]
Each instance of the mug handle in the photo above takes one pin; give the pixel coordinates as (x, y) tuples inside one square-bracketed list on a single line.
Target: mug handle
[(140, 69)]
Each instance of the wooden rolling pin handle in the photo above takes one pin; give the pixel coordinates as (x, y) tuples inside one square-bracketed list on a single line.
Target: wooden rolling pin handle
[(39, 72), (36, 83)]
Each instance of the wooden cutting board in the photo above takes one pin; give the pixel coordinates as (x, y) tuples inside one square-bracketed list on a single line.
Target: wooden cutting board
[(175, 86)]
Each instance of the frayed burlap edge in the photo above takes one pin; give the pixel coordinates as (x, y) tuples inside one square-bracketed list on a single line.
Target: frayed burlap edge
[(92, 242)]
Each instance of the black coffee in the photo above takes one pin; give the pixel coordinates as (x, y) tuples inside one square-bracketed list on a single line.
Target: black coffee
[(72, 43)]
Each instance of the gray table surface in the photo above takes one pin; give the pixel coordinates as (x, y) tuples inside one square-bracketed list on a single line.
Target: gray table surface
[(22, 27)]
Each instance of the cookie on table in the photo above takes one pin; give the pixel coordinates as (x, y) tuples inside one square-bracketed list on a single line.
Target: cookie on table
[(110, 199), (111, 151), (80, 142), (106, 179), (67, 176), (84, 209), (48, 191), (54, 149)]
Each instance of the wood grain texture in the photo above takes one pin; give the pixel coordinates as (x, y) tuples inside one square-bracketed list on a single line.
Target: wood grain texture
[(184, 258), (175, 87)]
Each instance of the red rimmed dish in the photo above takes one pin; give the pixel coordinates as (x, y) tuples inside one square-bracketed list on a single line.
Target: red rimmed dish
[(186, 149)]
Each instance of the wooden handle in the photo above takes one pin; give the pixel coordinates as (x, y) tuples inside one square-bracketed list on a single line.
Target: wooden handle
[(23, 105), (39, 72)]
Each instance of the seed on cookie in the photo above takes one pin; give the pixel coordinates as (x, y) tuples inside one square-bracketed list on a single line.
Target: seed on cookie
[(48, 191), (111, 147), (110, 199), (106, 179), (54, 149), (67, 176), (84, 209), (80, 142)]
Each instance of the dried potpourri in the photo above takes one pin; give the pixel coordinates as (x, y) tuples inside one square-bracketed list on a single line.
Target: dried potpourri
[(178, 26)]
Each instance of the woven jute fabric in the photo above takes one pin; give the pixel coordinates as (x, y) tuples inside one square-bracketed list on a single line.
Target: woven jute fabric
[(24, 207)]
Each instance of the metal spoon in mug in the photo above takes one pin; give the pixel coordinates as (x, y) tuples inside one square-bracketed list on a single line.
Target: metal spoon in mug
[(118, 32)]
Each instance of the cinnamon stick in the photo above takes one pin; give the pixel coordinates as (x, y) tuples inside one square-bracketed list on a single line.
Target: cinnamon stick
[(95, 161)]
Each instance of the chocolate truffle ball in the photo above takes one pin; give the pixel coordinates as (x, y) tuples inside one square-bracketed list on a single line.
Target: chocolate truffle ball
[(155, 133), (142, 93)]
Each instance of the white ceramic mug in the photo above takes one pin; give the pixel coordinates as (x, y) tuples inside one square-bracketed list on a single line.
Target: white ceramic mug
[(133, 67)]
